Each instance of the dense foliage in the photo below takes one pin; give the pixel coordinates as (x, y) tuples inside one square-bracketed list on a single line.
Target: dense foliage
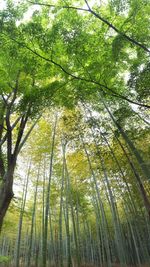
[(74, 133)]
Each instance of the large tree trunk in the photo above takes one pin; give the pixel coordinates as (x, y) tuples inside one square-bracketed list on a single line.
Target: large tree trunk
[(6, 195), (12, 143)]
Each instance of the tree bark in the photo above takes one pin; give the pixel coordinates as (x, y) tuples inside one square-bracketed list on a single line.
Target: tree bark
[(6, 195)]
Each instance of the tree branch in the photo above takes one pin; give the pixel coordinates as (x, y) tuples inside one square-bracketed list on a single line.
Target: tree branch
[(20, 133), (2, 167), (12, 127), (27, 134), (9, 129), (102, 86), (130, 39)]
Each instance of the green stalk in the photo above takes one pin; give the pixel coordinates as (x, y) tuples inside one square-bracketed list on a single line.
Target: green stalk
[(33, 219), (45, 237), (24, 196)]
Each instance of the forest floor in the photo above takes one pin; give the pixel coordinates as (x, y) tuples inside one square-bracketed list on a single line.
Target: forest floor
[(84, 265), (113, 265), (91, 265)]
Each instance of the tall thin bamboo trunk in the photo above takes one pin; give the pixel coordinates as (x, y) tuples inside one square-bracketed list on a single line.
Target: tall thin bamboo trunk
[(72, 215), (135, 152), (61, 207), (106, 239), (48, 197), (24, 196), (33, 219)]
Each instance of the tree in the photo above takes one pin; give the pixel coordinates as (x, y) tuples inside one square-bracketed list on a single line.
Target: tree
[(91, 65), (22, 98)]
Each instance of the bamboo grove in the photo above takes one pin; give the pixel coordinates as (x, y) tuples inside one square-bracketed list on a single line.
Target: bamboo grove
[(74, 134)]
